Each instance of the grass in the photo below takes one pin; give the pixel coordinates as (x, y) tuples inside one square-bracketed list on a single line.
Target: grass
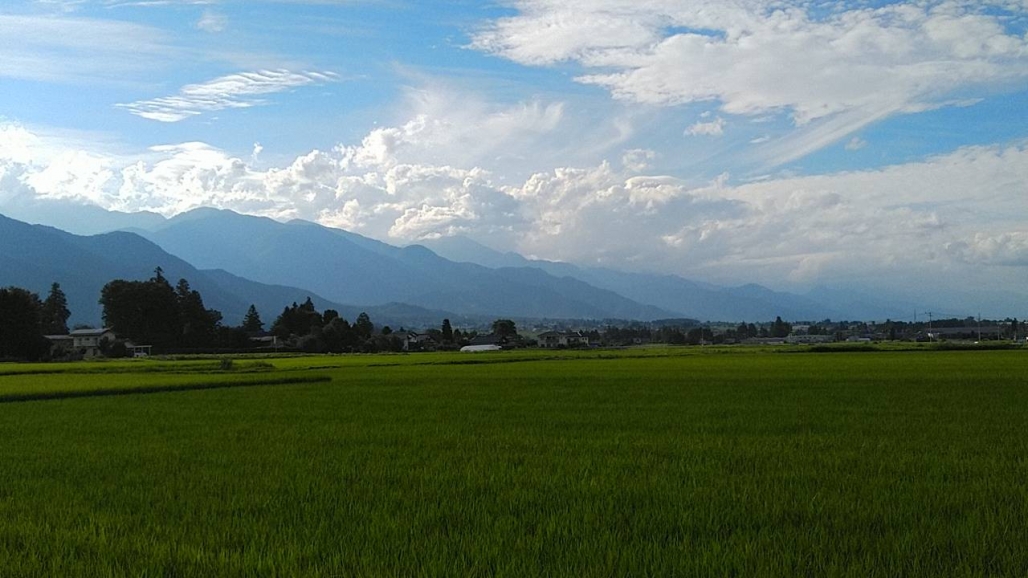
[(584, 463)]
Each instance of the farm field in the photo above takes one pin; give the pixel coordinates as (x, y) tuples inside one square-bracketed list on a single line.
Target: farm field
[(664, 462)]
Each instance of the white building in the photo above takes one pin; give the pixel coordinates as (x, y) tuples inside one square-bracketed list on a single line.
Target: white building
[(88, 340)]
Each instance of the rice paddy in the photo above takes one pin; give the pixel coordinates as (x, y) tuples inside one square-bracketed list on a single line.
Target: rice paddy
[(640, 462)]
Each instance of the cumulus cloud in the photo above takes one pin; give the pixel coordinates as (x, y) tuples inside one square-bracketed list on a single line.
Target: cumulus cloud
[(17, 144), (451, 126), (1007, 249), (814, 60), (242, 90), (715, 127)]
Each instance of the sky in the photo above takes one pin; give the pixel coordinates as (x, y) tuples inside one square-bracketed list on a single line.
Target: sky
[(792, 143)]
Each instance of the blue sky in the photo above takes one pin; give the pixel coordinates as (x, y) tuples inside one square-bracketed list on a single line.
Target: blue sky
[(786, 142)]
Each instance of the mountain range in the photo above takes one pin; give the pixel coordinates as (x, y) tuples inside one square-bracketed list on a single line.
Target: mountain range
[(348, 268), (34, 256), (235, 260), (692, 298)]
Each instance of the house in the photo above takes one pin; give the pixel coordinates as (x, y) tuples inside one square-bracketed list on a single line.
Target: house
[(87, 341), (809, 339), (60, 345), (562, 339), (413, 341), (139, 350), (549, 339), (264, 340)]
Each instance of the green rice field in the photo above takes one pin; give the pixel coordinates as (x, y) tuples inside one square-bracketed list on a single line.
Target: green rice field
[(641, 462)]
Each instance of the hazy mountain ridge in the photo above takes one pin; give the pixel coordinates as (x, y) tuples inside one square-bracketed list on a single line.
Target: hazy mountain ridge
[(346, 267), (689, 298), (237, 259), (77, 218), (34, 256), (271, 299)]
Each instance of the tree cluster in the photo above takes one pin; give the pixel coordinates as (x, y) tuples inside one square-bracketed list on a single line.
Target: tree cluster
[(26, 320), (21, 333), (152, 312), (303, 327), (669, 334), (55, 313), (446, 338), (686, 332)]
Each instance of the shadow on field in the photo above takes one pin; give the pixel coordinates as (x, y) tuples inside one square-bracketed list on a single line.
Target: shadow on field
[(52, 395)]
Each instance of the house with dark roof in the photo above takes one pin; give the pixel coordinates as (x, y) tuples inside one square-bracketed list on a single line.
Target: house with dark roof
[(413, 341)]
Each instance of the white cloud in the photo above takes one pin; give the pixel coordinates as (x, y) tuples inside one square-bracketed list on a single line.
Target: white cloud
[(855, 144), (450, 126), (442, 124), (815, 136), (1007, 249), (813, 60), (211, 21), (954, 215), (240, 90), (17, 144), (715, 127), (638, 160), (894, 223)]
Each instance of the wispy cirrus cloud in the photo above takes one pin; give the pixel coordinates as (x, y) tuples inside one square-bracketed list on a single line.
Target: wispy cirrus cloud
[(845, 65), (75, 49), (241, 90)]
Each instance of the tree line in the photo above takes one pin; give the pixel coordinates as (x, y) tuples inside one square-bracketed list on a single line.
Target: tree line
[(174, 319), (686, 333), (304, 328)]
